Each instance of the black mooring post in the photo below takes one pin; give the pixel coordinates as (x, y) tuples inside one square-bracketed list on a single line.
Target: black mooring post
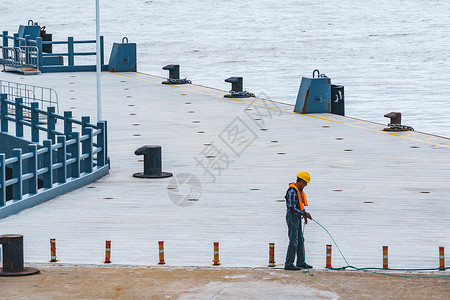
[(152, 162), (174, 75), (237, 83), (174, 71), (12, 245), (12, 252), (237, 88)]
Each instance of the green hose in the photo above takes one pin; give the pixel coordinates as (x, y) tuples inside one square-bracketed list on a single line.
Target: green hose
[(380, 273)]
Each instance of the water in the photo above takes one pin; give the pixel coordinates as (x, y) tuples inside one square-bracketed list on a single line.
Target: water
[(390, 55)]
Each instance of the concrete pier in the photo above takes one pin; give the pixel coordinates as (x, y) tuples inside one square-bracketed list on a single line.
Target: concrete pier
[(232, 160)]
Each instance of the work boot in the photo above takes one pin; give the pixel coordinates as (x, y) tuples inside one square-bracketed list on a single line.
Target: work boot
[(292, 267), (304, 266)]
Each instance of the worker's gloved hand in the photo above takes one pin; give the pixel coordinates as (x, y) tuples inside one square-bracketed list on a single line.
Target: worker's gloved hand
[(306, 217)]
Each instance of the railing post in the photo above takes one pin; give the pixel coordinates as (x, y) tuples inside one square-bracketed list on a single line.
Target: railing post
[(62, 156), (101, 159), (32, 168), (84, 120), (34, 122), (27, 50), (17, 173), (51, 120), (70, 50), (39, 54), (67, 124), (87, 147), (2, 180), (5, 45), (102, 51), (4, 112), (19, 117), (106, 140), (16, 40), (75, 150), (5, 38), (48, 163), (27, 40)]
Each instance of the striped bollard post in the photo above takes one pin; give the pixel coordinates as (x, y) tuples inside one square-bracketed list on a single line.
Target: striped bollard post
[(271, 254), (161, 253), (385, 257), (328, 259), (108, 252), (53, 250), (216, 254), (441, 259)]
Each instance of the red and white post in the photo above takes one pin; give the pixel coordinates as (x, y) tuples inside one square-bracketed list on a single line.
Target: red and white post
[(161, 252), (53, 250), (216, 254), (328, 260), (108, 252), (385, 257), (271, 254)]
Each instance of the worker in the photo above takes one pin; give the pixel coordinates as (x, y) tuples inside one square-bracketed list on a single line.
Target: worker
[(295, 211)]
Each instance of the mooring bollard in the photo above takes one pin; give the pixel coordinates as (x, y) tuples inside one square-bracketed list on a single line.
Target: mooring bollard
[(271, 254), (174, 75), (385, 257), (216, 254), (328, 259), (12, 245), (237, 87), (108, 252), (161, 253), (53, 250), (152, 162), (395, 123), (441, 259)]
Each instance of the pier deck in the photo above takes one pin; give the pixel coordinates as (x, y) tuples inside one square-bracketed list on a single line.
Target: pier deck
[(369, 188)]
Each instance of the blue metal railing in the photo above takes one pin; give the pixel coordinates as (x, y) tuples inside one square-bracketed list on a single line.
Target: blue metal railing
[(70, 54), (62, 157)]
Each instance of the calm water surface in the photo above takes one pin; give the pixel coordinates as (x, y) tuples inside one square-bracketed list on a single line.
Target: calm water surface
[(390, 55)]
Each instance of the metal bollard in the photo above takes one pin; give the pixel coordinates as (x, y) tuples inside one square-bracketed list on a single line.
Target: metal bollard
[(161, 253), (108, 252), (53, 250), (152, 162), (271, 254), (328, 260), (174, 75), (216, 254), (385, 257), (396, 122), (441, 259), (237, 87), (13, 256)]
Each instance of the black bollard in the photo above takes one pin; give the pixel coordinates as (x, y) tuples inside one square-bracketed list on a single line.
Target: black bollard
[(174, 75), (396, 122), (152, 162), (13, 256), (237, 87), (237, 83)]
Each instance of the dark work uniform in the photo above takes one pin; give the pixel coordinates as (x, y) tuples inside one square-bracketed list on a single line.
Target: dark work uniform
[(294, 222)]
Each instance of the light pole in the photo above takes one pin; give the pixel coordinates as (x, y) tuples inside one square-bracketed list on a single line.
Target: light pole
[(99, 67)]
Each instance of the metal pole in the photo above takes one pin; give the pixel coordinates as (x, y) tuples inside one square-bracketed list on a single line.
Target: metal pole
[(98, 54)]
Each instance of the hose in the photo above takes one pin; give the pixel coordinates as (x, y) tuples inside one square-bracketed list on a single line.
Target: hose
[(369, 269)]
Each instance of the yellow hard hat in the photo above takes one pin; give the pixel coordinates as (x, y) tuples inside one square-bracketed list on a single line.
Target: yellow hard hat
[(305, 176)]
